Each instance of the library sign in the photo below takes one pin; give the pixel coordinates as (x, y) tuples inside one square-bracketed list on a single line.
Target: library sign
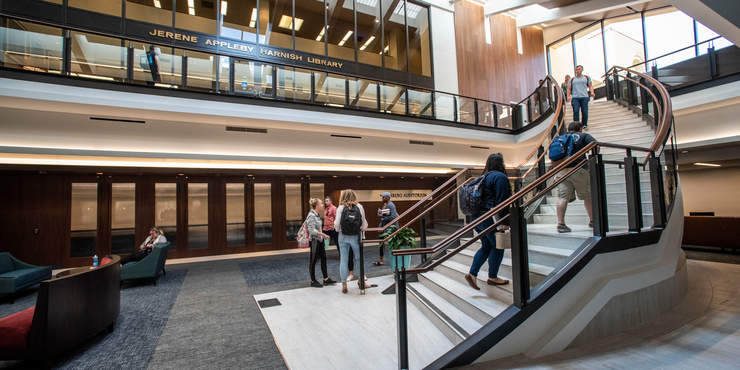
[(249, 50), (396, 195)]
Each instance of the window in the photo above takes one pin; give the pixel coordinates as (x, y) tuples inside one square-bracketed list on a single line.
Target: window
[(201, 69), (110, 7), (703, 33), (363, 94), (263, 213), (666, 31), (84, 220), (624, 44), (369, 37), (197, 215), (97, 56), (394, 50), (30, 46), (294, 84), (293, 210), (392, 99), (239, 20), (157, 12), (156, 65), (561, 59), (196, 15), (235, 216), (330, 89), (253, 78), (419, 50), (123, 214), (276, 23), (310, 14), (165, 209), (341, 30), (590, 53)]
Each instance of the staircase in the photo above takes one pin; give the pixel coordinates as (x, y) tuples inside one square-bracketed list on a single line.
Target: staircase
[(458, 311)]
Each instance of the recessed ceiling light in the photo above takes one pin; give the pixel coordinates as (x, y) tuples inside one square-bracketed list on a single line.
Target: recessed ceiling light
[(224, 7), (286, 22), (707, 164), (367, 43), (157, 4), (191, 3), (191, 11), (345, 38), (253, 18), (321, 34)]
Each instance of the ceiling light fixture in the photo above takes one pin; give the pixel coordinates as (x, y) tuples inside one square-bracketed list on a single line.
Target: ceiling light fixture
[(191, 3), (253, 19), (385, 50), (345, 38), (224, 7), (707, 164), (157, 4), (321, 34), (367, 43), (286, 22)]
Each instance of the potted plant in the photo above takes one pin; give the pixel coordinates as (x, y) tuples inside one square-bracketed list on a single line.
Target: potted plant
[(404, 239)]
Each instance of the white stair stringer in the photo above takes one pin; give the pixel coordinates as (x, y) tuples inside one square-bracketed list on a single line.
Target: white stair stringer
[(554, 325)]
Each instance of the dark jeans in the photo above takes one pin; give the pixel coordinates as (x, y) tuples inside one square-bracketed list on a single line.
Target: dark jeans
[(580, 104), (487, 251), (134, 257), (333, 237), (317, 250)]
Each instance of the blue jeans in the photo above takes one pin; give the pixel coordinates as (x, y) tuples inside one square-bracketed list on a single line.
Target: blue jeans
[(345, 243), (582, 105), (487, 251)]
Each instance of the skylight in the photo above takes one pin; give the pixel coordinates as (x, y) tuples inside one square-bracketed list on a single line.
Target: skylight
[(412, 10)]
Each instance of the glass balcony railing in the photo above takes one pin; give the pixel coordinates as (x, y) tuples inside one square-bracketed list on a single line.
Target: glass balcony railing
[(44, 49)]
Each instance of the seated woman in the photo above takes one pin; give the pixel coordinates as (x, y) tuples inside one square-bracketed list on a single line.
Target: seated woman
[(156, 236)]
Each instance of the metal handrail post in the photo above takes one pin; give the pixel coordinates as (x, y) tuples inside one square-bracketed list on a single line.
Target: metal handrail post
[(401, 314), (519, 255), (634, 203), (598, 194)]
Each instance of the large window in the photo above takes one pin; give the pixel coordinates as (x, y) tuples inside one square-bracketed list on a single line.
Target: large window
[(310, 14), (590, 53), (666, 31), (99, 56), (561, 59), (239, 20), (30, 46), (294, 84), (165, 209), (420, 55), (623, 37), (197, 215), (369, 36), (123, 213), (253, 78), (394, 50), (84, 219), (703, 33), (263, 213), (157, 12), (341, 29), (293, 210), (276, 23), (235, 215)]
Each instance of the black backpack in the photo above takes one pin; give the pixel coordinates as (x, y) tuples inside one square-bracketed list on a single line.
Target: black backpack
[(351, 221)]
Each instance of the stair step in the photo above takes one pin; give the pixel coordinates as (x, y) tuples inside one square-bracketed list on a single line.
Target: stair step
[(615, 219), (457, 271), (474, 303), (537, 272), (545, 256), (453, 323)]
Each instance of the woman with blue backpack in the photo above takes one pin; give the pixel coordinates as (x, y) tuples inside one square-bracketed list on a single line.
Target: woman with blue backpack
[(494, 189), (350, 223)]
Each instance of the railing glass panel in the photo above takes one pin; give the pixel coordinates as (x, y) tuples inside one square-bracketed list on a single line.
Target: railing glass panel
[(294, 84), (98, 57), (420, 103), (465, 110), (363, 94), (504, 116), (444, 106), (31, 47), (330, 89), (392, 99), (486, 116), (253, 78)]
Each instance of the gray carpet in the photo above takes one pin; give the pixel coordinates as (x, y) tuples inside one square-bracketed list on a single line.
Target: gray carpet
[(144, 313)]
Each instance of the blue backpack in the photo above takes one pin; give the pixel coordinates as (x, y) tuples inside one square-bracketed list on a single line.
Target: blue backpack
[(561, 147), (471, 196)]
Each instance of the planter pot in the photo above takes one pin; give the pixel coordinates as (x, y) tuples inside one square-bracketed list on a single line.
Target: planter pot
[(406, 261)]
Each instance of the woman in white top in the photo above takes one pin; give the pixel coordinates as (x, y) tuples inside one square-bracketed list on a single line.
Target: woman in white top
[(350, 223), (155, 237)]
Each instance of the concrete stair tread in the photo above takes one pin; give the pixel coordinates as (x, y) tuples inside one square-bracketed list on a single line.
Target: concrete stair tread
[(534, 248), (533, 267), (463, 269), (477, 298), (453, 313)]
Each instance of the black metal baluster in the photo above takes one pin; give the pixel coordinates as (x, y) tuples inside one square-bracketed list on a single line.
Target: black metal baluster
[(634, 203), (519, 254), (598, 194), (401, 322), (657, 192), (423, 237)]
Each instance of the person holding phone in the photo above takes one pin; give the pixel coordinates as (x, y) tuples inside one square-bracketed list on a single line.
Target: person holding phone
[(314, 225)]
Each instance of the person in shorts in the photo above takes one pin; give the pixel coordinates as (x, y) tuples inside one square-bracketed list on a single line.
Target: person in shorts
[(578, 184)]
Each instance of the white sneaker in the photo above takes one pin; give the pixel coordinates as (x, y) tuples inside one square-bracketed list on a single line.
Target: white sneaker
[(351, 277)]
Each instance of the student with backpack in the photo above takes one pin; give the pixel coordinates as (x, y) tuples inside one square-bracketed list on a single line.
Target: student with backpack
[(579, 182), (350, 223), (492, 189), (313, 226)]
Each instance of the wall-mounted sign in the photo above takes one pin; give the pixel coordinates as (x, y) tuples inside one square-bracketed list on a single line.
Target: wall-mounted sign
[(244, 49), (396, 195)]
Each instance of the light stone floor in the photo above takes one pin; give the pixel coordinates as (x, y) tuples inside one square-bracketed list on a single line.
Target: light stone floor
[(325, 329)]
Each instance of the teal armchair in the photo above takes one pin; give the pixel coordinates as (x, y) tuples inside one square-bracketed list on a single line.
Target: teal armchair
[(149, 267), (16, 274)]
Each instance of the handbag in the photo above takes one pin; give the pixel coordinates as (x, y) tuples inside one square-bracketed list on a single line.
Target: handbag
[(503, 239)]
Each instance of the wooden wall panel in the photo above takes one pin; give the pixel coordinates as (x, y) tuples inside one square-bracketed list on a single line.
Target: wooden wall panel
[(496, 71)]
